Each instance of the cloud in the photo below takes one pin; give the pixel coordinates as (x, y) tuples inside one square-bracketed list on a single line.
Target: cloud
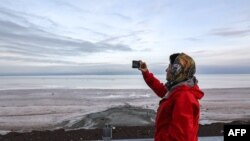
[(230, 32), (26, 19), (123, 17), (215, 69), (114, 38), (192, 39), (34, 60), (30, 36), (70, 6), (221, 57), (96, 33), (19, 36), (112, 69)]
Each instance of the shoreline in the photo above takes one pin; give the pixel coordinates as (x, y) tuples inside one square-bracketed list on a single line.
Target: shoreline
[(47, 109)]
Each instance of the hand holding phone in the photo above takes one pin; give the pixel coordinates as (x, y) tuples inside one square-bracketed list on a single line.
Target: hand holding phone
[(140, 65)]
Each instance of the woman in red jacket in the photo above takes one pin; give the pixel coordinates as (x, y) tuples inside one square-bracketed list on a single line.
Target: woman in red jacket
[(178, 113)]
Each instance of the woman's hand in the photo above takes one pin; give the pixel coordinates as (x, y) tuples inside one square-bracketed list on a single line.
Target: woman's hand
[(143, 66)]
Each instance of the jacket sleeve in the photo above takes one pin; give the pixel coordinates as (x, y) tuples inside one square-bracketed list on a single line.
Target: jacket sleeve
[(181, 126), (158, 87)]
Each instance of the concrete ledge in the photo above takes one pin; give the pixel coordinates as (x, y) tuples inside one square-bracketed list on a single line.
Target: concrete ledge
[(212, 138)]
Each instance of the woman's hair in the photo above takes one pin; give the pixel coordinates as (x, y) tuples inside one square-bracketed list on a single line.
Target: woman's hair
[(173, 57)]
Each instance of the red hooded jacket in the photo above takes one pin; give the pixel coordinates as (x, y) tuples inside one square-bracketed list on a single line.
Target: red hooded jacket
[(178, 115)]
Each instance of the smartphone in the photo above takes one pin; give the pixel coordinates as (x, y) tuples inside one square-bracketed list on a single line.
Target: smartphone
[(135, 64)]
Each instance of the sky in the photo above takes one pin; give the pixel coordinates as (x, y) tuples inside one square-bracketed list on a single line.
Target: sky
[(104, 36)]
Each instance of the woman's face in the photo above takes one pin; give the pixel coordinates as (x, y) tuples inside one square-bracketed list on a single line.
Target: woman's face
[(168, 72)]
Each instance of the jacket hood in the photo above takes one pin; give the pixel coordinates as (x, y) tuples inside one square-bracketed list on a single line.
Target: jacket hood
[(198, 93)]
